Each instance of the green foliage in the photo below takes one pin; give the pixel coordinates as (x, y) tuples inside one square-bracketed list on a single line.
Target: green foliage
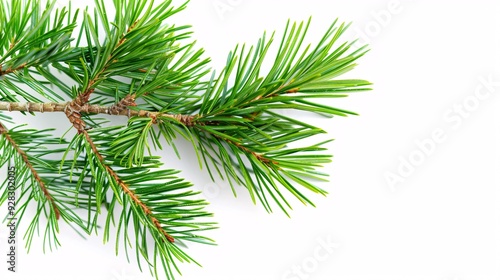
[(141, 66), (162, 196), (32, 36), (32, 152), (238, 115)]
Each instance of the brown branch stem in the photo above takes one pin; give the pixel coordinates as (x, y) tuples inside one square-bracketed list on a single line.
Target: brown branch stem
[(73, 112), (11, 70), (118, 109)]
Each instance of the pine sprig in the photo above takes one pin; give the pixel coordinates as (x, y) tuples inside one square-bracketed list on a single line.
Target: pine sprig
[(134, 43), (156, 203), (239, 117), (140, 66), (37, 180), (31, 37), (292, 80), (257, 156)]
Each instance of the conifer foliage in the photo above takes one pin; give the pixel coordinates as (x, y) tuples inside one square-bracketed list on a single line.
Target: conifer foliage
[(142, 67)]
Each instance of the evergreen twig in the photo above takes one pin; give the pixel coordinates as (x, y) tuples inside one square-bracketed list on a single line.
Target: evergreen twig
[(142, 67)]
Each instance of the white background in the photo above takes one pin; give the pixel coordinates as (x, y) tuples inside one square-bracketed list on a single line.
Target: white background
[(439, 222)]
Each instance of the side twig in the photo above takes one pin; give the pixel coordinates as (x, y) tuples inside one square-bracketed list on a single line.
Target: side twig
[(24, 156)]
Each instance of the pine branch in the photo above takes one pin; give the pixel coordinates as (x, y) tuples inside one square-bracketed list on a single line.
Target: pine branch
[(139, 66), (159, 207), (38, 180), (10, 141), (130, 39), (237, 115), (249, 99), (132, 202), (31, 37), (126, 189)]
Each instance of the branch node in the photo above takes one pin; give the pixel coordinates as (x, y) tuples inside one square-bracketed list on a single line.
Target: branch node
[(186, 120), (154, 118), (72, 111), (123, 105)]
